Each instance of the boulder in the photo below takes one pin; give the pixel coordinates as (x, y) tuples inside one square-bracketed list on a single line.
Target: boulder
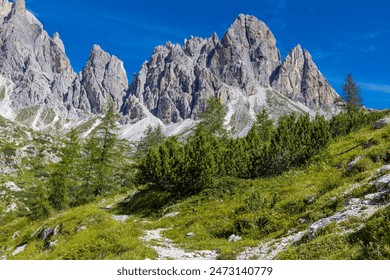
[(234, 238), (381, 123), (45, 233), (190, 235)]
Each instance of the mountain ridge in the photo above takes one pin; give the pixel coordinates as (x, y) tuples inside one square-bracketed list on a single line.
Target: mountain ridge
[(38, 78)]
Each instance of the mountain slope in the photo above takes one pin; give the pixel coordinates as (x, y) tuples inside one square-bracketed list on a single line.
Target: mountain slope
[(331, 209)]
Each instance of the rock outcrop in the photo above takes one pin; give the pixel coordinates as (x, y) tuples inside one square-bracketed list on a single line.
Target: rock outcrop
[(103, 79), (300, 80)]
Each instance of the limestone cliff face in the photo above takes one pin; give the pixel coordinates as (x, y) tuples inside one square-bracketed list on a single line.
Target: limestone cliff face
[(243, 68), (34, 62), (300, 80), (103, 79), (176, 82)]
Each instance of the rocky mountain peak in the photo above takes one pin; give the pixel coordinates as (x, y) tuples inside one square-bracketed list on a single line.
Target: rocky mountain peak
[(299, 79), (57, 40), (102, 79), (18, 7)]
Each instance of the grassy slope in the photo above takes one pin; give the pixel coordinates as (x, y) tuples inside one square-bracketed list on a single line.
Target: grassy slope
[(256, 210)]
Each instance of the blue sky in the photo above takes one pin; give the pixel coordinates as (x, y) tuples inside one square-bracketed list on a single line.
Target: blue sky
[(343, 36)]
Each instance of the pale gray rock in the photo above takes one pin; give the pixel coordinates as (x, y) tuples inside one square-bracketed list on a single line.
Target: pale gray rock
[(171, 215), (103, 79), (384, 169), (52, 244), (300, 80), (234, 238), (3, 258), (120, 218), (15, 235), (13, 187), (19, 250), (383, 181), (353, 163), (381, 123), (80, 228), (190, 235)]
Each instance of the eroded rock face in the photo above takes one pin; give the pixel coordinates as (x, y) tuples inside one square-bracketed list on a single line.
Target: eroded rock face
[(32, 61), (299, 79), (177, 81), (173, 85), (103, 79), (37, 75)]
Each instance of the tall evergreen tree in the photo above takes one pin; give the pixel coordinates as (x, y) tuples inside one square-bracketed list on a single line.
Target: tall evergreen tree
[(153, 137), (351, 94), (64, 180), (213, 117)]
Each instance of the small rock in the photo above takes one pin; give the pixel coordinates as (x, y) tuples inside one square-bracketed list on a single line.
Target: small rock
[(376, 196), (108, 207), (190, 235), (102, 201), (130, 198), (16, 234), (122, 218), (354, 202), (383, 181), (13, 187), (11, 208), (80, 228), (55, 230), (52, 244), (381, 123), (3, 258), (19, 250), (2, 193), (302, 221), (171, 215), (352, 164), (384, 169), (45, 233), (234, 238)]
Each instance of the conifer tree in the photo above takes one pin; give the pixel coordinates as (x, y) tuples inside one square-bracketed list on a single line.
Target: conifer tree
[(213, 117), (153, 137), (351, 95), (107, 153), (64, 180)]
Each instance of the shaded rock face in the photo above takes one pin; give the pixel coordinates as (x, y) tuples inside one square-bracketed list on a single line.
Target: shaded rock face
[(173, 85), (37, 73), (299, 79), (36, 64), (102, 79), (177, 81)]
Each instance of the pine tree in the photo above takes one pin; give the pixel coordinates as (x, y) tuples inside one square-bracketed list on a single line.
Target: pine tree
[(153, 137), (64, 180), (213, 117), (107, 153), (351, 95), (103, 156)]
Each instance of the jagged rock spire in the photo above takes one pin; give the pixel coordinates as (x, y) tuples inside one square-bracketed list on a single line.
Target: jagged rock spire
[(299, 79), (19, 7)]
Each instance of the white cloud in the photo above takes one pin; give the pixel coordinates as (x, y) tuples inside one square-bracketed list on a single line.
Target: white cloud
[(376, 87)]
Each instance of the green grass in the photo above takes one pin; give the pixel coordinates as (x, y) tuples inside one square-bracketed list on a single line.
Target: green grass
[(2, 93), (103, 237), (27, 114), (256, 210), (263, 209)]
